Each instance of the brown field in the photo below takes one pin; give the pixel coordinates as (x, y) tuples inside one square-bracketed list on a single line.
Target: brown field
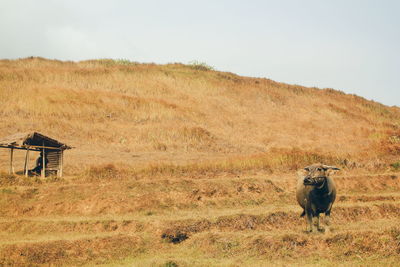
[(180, 165)]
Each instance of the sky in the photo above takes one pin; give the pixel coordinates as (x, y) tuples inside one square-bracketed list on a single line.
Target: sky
[(348, 45)]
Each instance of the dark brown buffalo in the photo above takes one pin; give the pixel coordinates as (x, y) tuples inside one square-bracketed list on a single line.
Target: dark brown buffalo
[(316, 193)]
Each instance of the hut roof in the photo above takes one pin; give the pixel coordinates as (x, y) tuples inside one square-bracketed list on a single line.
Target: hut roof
[(23, 140)]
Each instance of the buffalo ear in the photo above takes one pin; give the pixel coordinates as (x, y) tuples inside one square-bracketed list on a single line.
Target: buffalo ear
[(326, 167), (334, 168)]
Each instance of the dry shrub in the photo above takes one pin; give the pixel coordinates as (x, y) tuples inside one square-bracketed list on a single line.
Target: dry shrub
[(175, 238), (390, 143), (8, 179), (159, 146), (104, 171), (296, 158), (365, 244), (30, 193), (198, 134), (240, 222), (279, 220), (70, 252), (395, 165), (41, 228), (202, 66), (187, 227), (339, 239), (354, 114), (280, 247), (170, 264), (13, 179), (366, 198), (299, 246), (395, 234), (277, 160), (294, 240), (366, 183), (357, 213), (274, 220)]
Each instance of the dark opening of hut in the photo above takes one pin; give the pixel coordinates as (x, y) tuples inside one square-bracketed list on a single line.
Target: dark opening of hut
[(51, 153)]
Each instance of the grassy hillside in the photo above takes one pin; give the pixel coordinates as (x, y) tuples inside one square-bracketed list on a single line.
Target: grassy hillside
[(181, 165), (120, 111)]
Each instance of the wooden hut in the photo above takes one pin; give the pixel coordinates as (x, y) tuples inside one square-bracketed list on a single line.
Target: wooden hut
[(52, 149)]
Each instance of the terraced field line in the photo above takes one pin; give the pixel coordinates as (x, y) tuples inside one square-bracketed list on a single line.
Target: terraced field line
[(55, 237)]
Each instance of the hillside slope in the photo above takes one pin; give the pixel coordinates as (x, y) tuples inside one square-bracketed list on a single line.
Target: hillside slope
[(120, 111)]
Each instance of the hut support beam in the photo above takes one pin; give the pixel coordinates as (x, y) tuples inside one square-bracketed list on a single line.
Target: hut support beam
[(26, 167), (43, 163), (11, 160), (61, 162)]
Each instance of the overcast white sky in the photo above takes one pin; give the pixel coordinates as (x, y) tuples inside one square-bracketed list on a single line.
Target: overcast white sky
[(350, 45)]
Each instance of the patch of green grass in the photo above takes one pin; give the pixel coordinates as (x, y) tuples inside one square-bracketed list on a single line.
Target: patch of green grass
[(125, 62), (395, 166), (115, 62), (149, 213), (197, 65), (253, 202), (377, 136), (7, 191), (170, 264)]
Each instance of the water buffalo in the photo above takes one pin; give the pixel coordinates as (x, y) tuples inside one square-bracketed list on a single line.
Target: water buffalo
[(316, 192)]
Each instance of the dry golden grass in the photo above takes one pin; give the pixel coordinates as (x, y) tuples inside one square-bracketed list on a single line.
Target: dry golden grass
[(180, 165), (117, 111), (222, 220)]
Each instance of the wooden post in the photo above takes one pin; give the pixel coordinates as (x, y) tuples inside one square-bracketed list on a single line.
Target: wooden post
[(43, 163), (60, 164), (11, 160), (26, 168)]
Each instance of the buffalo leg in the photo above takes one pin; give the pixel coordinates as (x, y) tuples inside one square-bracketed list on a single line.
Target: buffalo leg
[(310, 225), (327, 220), (309, 216), (318, 223)]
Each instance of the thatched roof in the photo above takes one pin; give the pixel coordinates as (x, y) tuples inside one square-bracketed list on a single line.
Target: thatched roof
[(24, 140)]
